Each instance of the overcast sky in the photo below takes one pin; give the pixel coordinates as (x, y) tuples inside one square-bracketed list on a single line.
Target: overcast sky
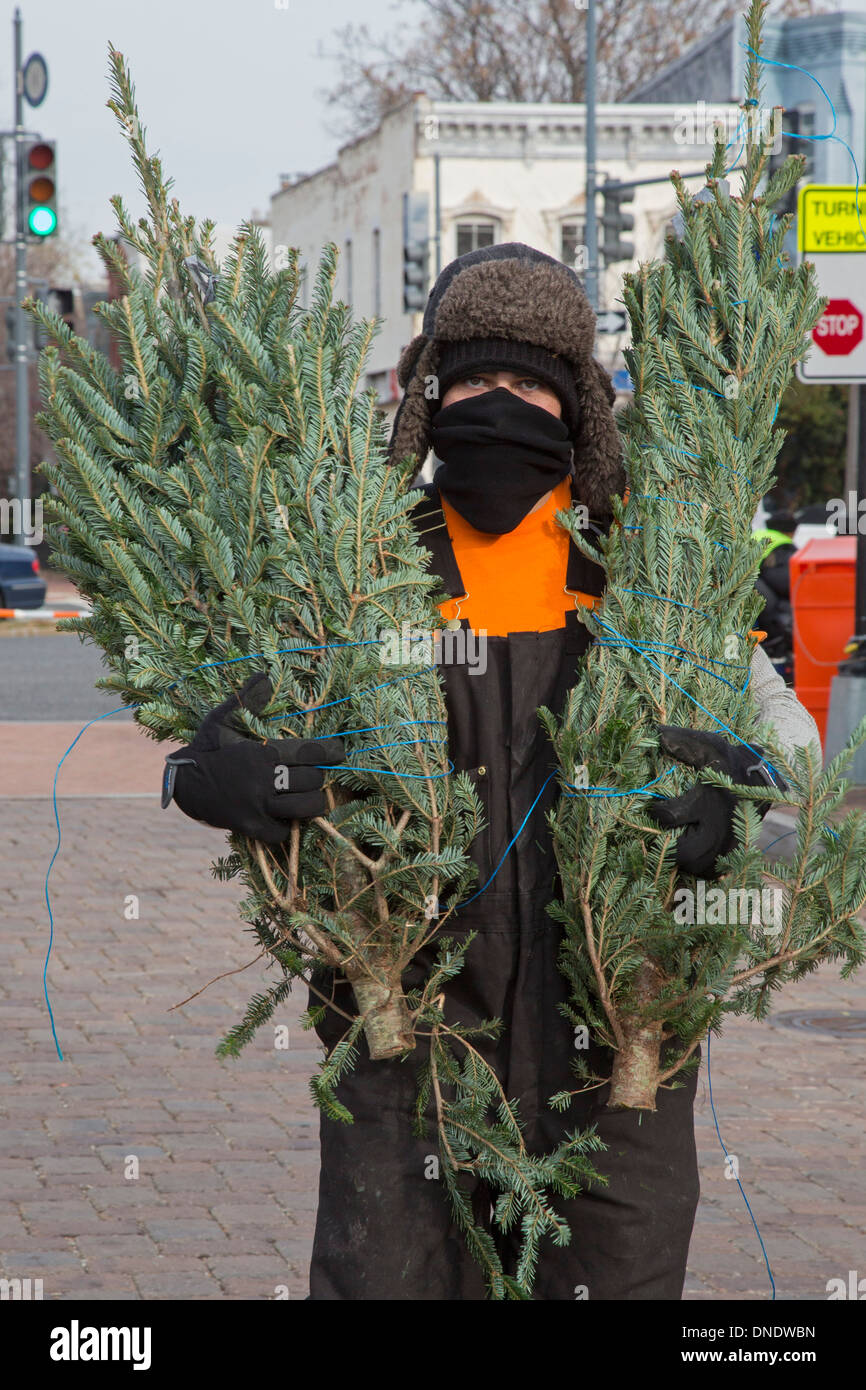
[(228, 91)]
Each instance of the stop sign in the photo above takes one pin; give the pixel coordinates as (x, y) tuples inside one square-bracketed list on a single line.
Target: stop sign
[(839, 329)]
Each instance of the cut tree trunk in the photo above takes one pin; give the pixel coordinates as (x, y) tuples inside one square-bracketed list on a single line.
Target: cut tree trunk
[(387, 1027), (373, 969), (637, 1063)]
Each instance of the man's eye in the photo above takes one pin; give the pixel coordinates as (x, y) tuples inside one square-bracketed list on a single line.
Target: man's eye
[(530, 384), (474, 381)]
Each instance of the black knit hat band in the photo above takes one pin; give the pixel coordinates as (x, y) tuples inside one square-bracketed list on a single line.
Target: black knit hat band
[(461, 359)]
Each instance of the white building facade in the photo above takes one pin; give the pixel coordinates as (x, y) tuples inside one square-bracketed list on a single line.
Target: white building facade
[(491, 172)]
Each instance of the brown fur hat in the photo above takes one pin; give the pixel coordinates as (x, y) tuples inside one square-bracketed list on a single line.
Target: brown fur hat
[(514, 292)]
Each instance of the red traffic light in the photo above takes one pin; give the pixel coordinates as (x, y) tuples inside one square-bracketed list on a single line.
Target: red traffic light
[(40, 156)]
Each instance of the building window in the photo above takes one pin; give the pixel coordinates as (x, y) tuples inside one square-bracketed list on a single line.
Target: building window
[(377, 272), (472, 235), (572, 243), (350, 292)]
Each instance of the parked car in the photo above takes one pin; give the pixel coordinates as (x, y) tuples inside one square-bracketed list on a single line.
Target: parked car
[(20, 583)]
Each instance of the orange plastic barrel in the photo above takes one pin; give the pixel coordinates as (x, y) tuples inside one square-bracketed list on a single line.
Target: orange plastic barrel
[(822, 597)]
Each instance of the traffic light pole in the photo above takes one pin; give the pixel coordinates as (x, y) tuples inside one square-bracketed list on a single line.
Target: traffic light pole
[(616, 184), (591, 229), (22, 374)]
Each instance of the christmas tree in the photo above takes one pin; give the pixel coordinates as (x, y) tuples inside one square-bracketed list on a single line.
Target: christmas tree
[(654, 958), (224, 501)]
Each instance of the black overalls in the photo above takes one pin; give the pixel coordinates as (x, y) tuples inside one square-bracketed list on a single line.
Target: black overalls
[(384, 1227)]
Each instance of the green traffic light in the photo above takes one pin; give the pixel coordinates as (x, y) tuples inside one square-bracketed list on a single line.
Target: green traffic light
[(42, 221)]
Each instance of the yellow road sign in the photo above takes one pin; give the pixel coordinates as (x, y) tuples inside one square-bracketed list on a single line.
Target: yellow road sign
[(827, 218)]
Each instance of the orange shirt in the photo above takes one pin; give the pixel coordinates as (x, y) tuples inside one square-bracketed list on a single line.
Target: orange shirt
[(515, 582)]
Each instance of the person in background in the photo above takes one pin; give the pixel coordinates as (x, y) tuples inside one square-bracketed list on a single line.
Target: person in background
[(774, 586)]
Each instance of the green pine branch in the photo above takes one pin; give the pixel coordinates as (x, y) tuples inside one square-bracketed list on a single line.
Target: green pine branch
[(224, 500), (717, 328)]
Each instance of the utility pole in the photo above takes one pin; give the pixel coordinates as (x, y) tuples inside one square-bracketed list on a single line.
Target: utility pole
[(22, 374), (853, 437), (860, 581), (589, 106), (855, 650)]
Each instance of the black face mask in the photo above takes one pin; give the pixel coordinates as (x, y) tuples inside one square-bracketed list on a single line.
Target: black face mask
[(499, 455)]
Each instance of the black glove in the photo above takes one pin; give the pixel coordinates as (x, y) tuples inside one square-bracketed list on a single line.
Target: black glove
[(707, 812), (229, 780)]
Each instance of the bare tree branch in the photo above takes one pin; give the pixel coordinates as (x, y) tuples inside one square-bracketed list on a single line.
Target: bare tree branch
[(515, 50)]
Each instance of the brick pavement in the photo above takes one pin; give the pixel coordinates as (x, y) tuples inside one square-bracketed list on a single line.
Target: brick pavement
[(224, 1203)]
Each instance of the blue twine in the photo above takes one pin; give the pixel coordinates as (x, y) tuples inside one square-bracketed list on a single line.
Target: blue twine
[(736, 1175), (206, 666), (712, 542), (374, 728), (626, 641), (612, 792), (727, 467), (50, 866), (682, 654), (662, 599), (508, 847), (670, 646), (678, 381), (648, 497), (313, 709), (786, 836), (831, 135)]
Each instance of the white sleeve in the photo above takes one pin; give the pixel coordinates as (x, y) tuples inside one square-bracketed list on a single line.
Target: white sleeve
[(778, 705)]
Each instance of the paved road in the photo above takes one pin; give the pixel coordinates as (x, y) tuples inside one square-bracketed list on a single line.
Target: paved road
[(52, 678), (224, 1203)]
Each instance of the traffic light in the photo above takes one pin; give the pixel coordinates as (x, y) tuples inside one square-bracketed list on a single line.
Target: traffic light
[(416, 272), (797, 122), (416, 251), (614, 221), (60, 302), (30, 337), (10, 332), (38, 184)]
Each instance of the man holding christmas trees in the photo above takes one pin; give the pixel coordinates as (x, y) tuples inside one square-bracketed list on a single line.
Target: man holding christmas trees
[(501, 383)]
